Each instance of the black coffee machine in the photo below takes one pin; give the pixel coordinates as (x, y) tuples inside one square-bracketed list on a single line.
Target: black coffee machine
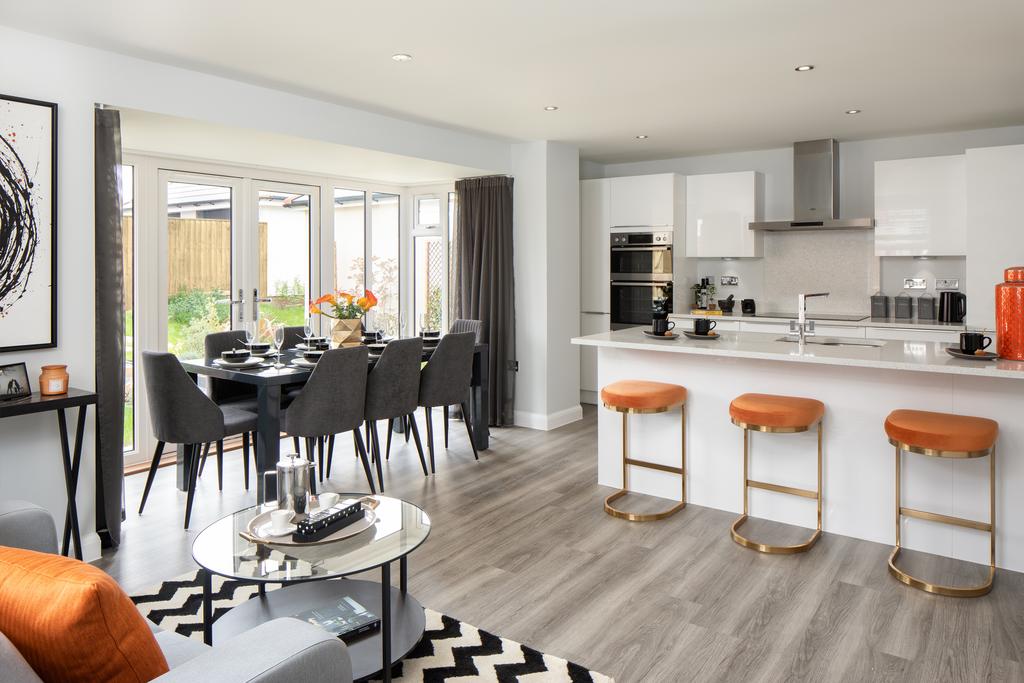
[(952, 307)]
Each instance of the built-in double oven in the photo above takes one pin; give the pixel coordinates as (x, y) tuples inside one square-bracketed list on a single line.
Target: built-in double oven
[(641, 274)]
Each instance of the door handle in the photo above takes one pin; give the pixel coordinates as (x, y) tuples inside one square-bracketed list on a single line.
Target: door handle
[(236, 302), (256, 301)]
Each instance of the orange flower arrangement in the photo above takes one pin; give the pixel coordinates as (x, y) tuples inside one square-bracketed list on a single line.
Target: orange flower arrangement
[(343, 305)]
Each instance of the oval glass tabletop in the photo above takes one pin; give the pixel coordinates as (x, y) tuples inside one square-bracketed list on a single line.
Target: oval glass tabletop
[(399, 529)]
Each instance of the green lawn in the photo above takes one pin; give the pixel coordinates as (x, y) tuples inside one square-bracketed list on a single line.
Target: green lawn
[(129, 424)]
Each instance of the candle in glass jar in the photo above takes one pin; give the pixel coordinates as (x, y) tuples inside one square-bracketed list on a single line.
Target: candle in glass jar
[(53, 381)]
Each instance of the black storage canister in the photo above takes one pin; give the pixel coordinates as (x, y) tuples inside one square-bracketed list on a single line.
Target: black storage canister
[(904, 306), (926, 307), (879, 306)]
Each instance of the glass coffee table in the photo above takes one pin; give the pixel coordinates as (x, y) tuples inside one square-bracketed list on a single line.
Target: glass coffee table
[(400, 528)]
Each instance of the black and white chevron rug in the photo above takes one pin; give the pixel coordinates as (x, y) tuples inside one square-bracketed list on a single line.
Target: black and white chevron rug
[(450, 650)]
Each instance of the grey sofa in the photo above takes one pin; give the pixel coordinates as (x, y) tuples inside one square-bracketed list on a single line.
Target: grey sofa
[(282, 650)]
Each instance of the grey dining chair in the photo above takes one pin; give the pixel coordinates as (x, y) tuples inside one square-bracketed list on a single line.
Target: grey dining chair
[(445, 381), (224, 392), (392, 392), (293, 335), (458, 326), (181, 413), (331, 402)]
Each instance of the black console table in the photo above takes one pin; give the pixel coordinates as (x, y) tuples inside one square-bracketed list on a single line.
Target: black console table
[(72, 455)]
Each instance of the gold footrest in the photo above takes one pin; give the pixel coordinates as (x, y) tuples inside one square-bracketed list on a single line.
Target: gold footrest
[(939, 589), (636, 516), (771, 549)]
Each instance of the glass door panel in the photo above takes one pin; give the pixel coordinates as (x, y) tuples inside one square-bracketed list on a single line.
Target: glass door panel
[(428, 282), (283, 246), (349, 240), (199, 258), (383, 278)]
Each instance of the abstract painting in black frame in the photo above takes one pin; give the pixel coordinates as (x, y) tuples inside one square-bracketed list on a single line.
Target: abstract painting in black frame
[(28, 224)]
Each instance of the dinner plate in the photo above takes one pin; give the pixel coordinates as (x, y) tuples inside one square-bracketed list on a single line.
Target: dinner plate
[(250, 362), (303, 363), (957, 353)]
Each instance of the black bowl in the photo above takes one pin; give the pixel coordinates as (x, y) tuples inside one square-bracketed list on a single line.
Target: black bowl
[(235, 355), (258, 347), (430, 334), (376, 349), (312, 356), (319, 345), (726, 305)]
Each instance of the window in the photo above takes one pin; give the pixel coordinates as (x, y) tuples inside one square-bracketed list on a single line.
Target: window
[(128, 262), (284, 227), (349, 239), (429, 276), (383, 275)]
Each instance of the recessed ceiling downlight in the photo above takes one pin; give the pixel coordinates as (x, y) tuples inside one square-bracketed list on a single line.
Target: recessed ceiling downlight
[(641, 137), (853, 111), (401, 57), (551, 107), (805, 67)]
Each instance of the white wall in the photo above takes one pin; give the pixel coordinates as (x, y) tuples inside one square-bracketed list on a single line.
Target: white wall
[(546, 233), (76, 78)]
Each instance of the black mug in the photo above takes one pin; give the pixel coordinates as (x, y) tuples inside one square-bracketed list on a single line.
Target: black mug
[(661, 326), (703, 326), (971, 342)]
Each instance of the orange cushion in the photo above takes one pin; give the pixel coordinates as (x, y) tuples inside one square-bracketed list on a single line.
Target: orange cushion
[(941, 431), (641, 395), (768, 410), (72, 622)]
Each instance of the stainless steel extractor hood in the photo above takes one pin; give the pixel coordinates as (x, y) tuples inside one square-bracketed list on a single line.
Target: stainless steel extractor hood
[(816, 191)]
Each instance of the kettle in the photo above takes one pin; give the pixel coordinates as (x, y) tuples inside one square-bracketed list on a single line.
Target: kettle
[(952, 307)]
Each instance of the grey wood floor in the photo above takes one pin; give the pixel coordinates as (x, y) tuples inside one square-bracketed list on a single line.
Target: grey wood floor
[(521, 547)]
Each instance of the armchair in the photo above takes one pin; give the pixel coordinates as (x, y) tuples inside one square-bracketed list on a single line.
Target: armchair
[(281, 650)]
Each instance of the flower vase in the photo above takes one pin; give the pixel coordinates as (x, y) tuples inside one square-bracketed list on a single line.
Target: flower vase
[(347, 332)]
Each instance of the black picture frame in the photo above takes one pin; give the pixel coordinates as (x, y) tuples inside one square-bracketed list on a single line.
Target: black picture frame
[(52, 341), (14, 382)]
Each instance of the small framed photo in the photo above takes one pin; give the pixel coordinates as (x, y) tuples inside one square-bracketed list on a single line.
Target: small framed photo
[(14, 382)]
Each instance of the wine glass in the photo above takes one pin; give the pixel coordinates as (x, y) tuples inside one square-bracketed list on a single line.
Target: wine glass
[(279, 343), (307, 328), (250, 332)]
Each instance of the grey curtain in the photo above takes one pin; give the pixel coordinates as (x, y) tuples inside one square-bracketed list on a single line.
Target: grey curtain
[(109, 328), (485, 281)]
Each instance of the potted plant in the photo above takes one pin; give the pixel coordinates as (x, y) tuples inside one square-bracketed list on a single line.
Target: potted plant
[(347, 310)]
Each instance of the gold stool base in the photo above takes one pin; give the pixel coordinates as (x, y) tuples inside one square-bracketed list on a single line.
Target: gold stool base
[(771, 549), (939, 589), (636, 516)]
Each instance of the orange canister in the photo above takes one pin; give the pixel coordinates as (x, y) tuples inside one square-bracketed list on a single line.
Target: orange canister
[(1010, 314), (53, 381)]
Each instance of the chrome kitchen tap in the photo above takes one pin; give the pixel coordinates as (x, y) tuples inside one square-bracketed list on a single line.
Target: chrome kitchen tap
[(802, 326)]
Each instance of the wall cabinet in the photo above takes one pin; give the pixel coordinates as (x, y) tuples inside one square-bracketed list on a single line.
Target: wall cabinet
[(590, 323), (719, 210), (647, 200), (595, 243), (921, 207)]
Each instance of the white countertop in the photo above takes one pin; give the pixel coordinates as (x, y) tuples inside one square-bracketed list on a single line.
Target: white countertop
[(895, 355), (900, 323)]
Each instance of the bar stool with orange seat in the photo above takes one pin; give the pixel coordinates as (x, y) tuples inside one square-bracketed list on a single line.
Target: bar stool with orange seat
[(943, 435), (636, 396), (779, 415)]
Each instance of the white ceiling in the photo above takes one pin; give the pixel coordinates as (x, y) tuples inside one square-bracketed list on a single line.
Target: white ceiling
[(174, 136), (697, 76)]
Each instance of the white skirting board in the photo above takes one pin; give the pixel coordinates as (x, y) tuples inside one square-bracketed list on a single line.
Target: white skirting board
[(547, 422), (858, 461)]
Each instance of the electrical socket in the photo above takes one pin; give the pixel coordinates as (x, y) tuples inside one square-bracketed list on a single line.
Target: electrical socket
[(915, 283), (513, 365), (729, 280), (947, 283)]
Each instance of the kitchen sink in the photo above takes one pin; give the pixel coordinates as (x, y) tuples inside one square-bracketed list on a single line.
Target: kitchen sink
[(834, 341)]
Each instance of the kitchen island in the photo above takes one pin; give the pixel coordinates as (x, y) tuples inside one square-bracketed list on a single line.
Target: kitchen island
[(859, 385)]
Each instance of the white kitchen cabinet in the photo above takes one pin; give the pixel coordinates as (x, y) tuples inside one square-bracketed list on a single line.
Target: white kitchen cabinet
[(995, 185), (647, 200), (590, 323), (719, 210), (921, 207), (905, 334), (595, 244)]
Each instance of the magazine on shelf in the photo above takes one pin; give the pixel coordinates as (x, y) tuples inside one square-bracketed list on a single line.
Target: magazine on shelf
[(346, 619)]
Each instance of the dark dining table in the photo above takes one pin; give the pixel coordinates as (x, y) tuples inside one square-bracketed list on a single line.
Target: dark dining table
[(269, 381)]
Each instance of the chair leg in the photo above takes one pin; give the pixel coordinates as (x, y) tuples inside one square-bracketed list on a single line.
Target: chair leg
[(202, 463), (469, 430), (430, 439), (193, 475), (245, 459), (376, 449), (153, 467), (330, 454), (312, 462), (366, 438), (411, 426), (298, 447), (447, 417), (220, 464), (387, 449), (320, 455), (405, 424), (361, 454)]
